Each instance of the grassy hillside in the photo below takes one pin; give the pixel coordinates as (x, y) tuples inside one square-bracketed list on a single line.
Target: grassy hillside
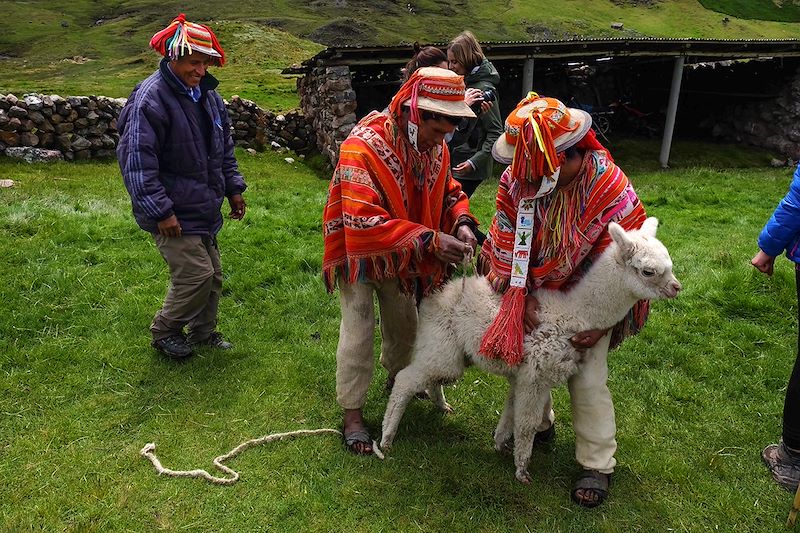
[(100, 46), (777, 10)]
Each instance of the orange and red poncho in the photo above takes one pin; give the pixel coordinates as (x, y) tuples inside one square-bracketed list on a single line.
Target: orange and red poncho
[(386, 201)]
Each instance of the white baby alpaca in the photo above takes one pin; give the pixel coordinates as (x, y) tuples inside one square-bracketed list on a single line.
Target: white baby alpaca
[(635, 266)]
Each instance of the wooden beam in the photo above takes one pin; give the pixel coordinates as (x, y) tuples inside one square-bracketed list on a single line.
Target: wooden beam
[(672, 109), (527, 77)]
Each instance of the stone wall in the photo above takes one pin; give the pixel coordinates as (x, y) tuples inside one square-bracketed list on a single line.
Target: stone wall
[(329, 102), (772, 123), (84, 127)]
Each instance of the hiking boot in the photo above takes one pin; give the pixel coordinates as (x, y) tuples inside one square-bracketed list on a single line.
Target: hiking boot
[(784, 465), (215, 340), (174, 346)]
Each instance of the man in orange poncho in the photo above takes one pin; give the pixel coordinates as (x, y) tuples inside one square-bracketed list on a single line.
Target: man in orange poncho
[(394, 223), (554, 204)]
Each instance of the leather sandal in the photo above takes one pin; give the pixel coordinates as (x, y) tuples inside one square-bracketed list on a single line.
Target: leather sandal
[(591, 481), (355, 437)]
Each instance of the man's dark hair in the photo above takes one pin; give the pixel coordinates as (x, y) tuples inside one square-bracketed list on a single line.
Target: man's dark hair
[(571, 152), (430, 115)]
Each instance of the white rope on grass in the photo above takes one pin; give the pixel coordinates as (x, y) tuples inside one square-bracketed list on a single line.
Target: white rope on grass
[(148, 452)]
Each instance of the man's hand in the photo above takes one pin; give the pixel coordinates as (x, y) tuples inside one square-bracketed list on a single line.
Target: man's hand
[(531, 314), (464, 234), (170, 227), (586, 339), (451, 249), (763, 262), (237, 206), (463, 169)]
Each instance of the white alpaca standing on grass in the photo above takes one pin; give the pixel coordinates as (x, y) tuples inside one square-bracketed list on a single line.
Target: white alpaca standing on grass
[(452, 322)]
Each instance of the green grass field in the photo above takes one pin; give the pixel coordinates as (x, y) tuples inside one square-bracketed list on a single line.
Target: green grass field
[(698, 393)]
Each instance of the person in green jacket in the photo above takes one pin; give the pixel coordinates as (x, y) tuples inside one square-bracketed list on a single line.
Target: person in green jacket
[(471, 145)]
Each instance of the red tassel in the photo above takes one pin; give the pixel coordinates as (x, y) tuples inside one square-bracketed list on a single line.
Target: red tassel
[(503, 339)]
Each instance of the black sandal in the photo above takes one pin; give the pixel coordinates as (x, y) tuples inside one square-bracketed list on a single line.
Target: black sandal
[(355, 437), (591, 481)]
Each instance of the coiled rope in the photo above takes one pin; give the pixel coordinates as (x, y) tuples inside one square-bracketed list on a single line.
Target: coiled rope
[(148, 452)]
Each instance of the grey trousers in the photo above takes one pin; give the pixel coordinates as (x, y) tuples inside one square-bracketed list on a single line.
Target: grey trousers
[(194, 290), (355, 355)]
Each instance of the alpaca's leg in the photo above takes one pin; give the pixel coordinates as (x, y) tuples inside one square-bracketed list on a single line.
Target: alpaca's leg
[(436, 392), (436, 359), (409, 381), (528, 404), (505, 427), (448, 366), (440, 358)]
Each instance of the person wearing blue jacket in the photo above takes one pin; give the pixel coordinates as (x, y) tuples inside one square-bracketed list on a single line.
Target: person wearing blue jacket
[(177, 161), (782, 233)]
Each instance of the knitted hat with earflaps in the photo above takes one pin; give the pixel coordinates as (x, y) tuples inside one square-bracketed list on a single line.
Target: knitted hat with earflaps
[(182, 37)]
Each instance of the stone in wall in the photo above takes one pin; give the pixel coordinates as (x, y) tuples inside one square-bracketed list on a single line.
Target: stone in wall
[(33, 155), (771, 124)]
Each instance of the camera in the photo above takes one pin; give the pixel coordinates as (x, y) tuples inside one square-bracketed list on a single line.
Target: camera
[(486, 96)]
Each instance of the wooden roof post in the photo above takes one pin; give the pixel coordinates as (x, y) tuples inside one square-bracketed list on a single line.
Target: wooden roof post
[(527, 77), (672, 108)]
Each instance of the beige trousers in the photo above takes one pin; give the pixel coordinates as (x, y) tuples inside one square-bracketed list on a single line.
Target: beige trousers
[(592, 411), (355, 355), (194, 290)]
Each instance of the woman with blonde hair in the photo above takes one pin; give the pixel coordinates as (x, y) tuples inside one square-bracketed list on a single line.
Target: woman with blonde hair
[(471, 146)]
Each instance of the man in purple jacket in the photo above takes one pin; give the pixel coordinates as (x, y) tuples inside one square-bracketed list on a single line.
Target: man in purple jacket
[(177, 161)]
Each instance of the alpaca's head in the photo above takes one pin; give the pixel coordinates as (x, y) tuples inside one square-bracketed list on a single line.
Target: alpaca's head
[(648, 267)]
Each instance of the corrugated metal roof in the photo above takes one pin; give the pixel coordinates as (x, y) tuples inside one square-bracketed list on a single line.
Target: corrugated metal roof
[(577, 48)]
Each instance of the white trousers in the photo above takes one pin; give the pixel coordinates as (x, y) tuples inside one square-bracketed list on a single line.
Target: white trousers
[(592, 411), (355, 355)]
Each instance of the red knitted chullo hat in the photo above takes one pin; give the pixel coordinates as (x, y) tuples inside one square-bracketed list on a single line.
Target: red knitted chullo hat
[(182, 37)]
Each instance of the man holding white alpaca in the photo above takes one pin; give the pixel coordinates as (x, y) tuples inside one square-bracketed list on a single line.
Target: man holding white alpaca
[(394, 223), (577, 190)]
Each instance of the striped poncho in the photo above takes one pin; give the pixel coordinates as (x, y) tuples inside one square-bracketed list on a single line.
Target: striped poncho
[(570, 230), (386, 201)]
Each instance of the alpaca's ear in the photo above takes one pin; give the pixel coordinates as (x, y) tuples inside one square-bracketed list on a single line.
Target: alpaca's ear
[(650, 226), (621, 238)]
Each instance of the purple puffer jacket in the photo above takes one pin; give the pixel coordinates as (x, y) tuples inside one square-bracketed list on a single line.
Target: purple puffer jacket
[(167, 165)]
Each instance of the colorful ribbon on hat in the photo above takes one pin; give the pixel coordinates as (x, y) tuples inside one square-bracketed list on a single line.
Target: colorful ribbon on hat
[(535, 153)]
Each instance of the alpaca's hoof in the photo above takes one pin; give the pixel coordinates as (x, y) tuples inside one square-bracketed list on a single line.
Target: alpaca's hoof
[(447, 409), (523, 476), (386, 444), (505, 446)]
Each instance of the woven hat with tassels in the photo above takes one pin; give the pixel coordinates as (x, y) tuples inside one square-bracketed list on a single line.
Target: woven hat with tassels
[(182, 37)]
